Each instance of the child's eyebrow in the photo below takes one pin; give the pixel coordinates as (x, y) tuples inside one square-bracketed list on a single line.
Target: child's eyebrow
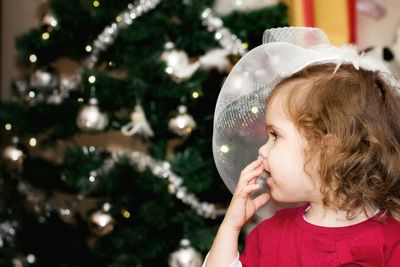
[(271, 127)]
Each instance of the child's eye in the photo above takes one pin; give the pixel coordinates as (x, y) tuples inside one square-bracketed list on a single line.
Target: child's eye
[(273, 135)]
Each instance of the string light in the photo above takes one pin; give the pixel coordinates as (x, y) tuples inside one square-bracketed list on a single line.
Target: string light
[(8, 127), (31, 258), (45, 36), (254, 110), (32, 142), (88, 48), (169, 70), (126, 213), (80, 100), (195, 95), (92, 79), (224, 149), (32, 58), (96, 3)]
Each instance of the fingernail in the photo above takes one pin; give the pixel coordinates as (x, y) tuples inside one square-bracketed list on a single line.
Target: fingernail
[(260, 158)]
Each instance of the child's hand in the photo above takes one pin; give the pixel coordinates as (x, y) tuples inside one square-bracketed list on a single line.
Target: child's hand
[(242, 207)]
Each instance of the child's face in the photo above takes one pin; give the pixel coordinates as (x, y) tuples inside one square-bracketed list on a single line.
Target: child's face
[(284, 158)]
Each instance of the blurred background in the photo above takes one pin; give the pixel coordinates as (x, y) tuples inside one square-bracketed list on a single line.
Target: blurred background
[(106, 119)]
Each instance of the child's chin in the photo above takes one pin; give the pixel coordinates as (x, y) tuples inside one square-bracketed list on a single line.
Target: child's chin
[(279, 197), (276, 196)]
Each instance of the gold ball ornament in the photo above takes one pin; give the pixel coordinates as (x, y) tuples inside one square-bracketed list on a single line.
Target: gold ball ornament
[(183, 123), (90, 118), (185, 256), (101, 223)]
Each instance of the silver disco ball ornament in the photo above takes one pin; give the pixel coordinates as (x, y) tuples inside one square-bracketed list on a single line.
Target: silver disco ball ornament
[(185, 256), (183, 123), (90, 118)]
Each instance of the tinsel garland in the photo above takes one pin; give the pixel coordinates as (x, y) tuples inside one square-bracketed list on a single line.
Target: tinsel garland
[(108, 35), (162, 169), (138, 160), (226, 39), (106, 38)]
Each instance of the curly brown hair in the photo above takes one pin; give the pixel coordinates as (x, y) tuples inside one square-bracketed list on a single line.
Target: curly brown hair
[(351, 120)]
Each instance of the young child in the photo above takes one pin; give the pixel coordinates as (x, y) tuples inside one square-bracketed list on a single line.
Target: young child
[(333, 124)]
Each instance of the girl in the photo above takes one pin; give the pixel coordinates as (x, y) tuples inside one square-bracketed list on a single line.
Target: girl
[(333, 123)]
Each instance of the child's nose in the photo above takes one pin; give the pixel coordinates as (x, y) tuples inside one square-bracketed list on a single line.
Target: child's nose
[(262, 151)]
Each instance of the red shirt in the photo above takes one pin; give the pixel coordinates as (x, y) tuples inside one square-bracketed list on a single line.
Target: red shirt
[(287, 239)]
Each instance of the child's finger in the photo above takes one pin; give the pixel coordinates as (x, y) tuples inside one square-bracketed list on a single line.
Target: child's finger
[(249, 176), (246, 191), (251, 166)]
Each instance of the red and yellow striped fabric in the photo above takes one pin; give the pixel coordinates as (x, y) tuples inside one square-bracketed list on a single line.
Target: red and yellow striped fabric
[(336, 17)]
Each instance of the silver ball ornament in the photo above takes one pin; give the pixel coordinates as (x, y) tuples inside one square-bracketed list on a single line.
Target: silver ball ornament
[(90, 118), (183, 123), (44, 79), (185, 256), (101, 223)]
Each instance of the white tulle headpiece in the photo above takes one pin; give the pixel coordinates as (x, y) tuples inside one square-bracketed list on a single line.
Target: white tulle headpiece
[(239, 118)]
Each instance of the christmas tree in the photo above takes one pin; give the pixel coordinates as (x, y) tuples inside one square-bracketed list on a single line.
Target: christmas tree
[(106, 144)]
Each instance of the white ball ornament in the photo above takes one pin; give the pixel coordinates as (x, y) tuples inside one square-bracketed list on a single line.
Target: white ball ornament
[(101, 223), (13, 155), (185, 256), (183, 123), (44, 79), (90, 118)]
